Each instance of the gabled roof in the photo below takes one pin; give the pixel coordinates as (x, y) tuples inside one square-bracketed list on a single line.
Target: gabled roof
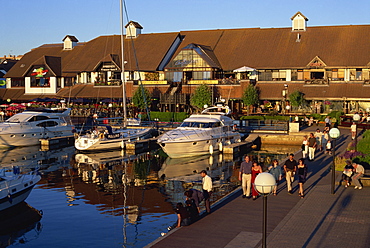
[(52, 63), (299, 13), (136, 25), (277, 47), (71, 37), (150, 50)]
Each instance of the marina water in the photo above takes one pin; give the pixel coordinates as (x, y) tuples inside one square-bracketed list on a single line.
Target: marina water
[(111, 198)]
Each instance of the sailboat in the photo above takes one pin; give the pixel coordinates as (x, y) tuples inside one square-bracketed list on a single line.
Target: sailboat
[(108, 138)]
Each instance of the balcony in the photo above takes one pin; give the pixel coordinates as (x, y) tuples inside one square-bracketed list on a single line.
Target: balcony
[(115, 82), (317, 81)]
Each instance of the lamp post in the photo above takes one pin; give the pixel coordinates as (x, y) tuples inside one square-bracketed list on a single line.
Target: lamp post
[(285, 94), (264, 184), (334, 133)]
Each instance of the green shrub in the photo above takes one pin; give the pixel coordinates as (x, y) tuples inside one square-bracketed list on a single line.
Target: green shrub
[(252, 117), (168, 116)]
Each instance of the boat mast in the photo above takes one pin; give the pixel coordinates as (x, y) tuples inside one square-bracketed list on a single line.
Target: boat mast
[(123, 67)]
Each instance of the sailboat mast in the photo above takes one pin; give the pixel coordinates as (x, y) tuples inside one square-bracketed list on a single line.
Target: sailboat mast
[(123, 67)]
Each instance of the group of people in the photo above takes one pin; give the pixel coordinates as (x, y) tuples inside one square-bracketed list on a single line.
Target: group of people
[(353, 172), (190, 212), (249, 171), (318, 141)]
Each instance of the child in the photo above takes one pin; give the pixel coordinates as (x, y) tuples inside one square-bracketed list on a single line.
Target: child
[(328, 147)]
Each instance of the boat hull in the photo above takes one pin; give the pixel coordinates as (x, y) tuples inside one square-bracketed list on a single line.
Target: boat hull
[(90, 143), (31, 137), (196, 147), (16, 189)]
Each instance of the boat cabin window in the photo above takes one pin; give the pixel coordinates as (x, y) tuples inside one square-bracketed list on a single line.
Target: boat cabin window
[(48, 124), (38, 118), (200, 124)]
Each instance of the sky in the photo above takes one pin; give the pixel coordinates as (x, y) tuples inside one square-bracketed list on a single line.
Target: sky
[(27, 24)]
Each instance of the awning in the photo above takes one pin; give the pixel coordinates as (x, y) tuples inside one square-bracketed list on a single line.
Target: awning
[(244, 69)]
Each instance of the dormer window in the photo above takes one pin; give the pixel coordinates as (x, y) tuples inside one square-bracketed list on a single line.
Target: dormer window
[(133, 29), (69, 42), (299, 22)]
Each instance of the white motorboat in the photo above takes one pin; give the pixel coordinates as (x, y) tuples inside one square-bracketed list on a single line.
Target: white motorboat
[(200, 134), (28, 127), (109, 139), (15, 187)]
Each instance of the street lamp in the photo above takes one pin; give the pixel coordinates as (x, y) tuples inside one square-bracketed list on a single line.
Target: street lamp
[(334, 133), (264, 184)]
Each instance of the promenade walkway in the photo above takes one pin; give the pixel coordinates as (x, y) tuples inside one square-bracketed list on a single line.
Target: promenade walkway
[(319, 220)]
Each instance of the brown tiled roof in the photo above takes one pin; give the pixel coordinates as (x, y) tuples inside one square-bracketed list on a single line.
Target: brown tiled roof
[(333, 91), (337, 46), (17, 94), (150, 50)]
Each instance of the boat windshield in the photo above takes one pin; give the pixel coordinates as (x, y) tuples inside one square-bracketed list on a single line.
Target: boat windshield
[(19, 118), (200, 124)]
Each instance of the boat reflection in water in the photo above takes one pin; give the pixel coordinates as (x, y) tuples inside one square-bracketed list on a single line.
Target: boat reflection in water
[(32, 157), (181, 174), (19, 225)]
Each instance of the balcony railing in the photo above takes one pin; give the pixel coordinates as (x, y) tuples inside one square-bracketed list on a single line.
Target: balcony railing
[(109, 83), (317, 81)]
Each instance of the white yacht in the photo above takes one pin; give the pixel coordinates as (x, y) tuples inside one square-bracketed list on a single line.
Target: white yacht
[(26, 128), (200, 134), (15, 187), (110, 139)]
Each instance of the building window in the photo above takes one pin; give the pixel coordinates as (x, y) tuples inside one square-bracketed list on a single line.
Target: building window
[(17, 82), (358, 74), (338, 74), (40, 82)]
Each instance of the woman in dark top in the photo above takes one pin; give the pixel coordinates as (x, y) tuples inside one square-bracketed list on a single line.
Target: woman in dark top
[(302, 175)]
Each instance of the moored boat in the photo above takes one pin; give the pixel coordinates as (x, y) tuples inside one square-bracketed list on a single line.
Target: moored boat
[(200, 134), (15, 187), (109, 139), (28, 127)]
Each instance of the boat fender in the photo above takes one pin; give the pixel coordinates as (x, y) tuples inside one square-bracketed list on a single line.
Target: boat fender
[(10, 198), (101, 136), (220, 146), (122, 144), (210, 149)]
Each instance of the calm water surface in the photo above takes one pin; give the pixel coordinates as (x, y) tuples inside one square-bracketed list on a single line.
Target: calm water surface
[(109, 199)]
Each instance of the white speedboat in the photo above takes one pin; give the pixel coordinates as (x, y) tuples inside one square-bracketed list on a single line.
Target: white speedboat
[(109, 139), (28, 127), (15, 187), (200, 134)]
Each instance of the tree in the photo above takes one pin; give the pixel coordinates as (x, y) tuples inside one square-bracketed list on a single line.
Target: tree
[(202, 96), (296, 98), (250, 97), (141, 98)]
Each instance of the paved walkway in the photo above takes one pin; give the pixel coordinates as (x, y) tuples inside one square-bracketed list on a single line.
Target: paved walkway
[(319, 220)]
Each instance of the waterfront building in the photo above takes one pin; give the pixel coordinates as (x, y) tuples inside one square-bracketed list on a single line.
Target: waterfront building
[(328, 64)]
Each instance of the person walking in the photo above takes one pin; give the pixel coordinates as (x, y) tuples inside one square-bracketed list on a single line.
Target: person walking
[(359, 172), (311, 147), (256, 169), (304, 146), (290, 167), (245, 176), (318, 136), (207, 189), (275, 170), (324, 140), (302, 176)]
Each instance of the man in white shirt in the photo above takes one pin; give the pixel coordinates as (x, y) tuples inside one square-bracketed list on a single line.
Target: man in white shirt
[(207, 189)]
